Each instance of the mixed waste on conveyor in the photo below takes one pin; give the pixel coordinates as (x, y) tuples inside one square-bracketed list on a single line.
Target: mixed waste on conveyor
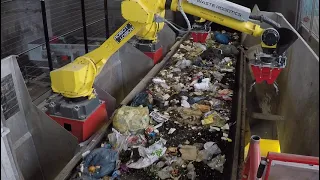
[(178, 127)]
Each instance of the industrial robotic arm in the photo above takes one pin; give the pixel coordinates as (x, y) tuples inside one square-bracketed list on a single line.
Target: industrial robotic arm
[(75, 80), (145, 18)]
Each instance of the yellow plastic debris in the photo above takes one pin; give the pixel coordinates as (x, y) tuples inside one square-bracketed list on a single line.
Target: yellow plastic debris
[(266, 145), (214, 119), (207, 120)]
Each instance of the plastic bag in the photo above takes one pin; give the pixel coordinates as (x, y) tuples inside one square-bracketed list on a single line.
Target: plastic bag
[(212, 148), (158, 117), (218, 76), (221, 38), (203, 86), (201, 46), (229, 50), (103, 158), (144, 99), (122, 142), (131, 119), (117, 140), (182, 64), (217, 163), (184, 102), (149, 155)]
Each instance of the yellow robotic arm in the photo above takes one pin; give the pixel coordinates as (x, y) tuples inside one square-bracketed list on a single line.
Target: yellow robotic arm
[(76, 79), (242, 26)]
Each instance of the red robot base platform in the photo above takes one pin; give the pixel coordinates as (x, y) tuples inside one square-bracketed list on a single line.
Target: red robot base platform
[(83, 129), (155, 55)]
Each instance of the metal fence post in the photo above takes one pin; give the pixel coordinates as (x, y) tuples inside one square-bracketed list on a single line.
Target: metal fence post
[(298, 15), (84, 25), (106, 18), (46, 34), (312, 17)]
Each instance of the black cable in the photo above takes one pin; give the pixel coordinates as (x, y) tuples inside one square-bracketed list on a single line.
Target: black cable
[(265, 19)]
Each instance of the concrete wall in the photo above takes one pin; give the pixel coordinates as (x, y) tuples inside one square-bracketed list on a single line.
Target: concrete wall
[(312, 41), (299, 102), (289, 9)]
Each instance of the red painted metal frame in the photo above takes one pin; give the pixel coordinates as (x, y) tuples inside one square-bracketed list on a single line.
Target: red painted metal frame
[(155, 56), (199, 36), (265, 74), (252, 161), (289, 158), (83, 129)]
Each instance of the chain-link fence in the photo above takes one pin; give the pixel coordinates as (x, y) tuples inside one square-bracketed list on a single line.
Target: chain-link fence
[(310, 16), (48, 34)]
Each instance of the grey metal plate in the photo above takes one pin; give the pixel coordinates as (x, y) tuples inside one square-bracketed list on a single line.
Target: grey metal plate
[(9, 169), (167, 38), (122, 72), (293, 171), (125, 68), (109, 100), (135, 65), (110, 79), (41, 146)]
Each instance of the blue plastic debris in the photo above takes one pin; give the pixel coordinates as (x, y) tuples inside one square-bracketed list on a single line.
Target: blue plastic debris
[(221, 38), (116, 175), (194, 100), (105, 158), (142, 98)]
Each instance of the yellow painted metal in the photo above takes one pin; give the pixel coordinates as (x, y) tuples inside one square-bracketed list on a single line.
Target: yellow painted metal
[(201, 20), (245, 27), (266, 145), (136, 11), (76, 79), (149, 32), (266, 46)]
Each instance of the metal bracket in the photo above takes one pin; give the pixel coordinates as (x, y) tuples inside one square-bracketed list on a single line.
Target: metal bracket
[(251, 86), (270, 117), (4, 131), (275, 85)]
